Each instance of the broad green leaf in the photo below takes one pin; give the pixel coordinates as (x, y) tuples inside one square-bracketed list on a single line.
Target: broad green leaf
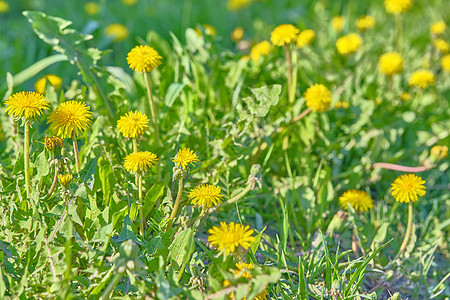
[(182, 247), (172, 93), (266, 96), (127, 232)]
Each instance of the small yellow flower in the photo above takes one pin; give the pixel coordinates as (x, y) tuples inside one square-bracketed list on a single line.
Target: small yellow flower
[(305, 38), (405, 96), (53, 145), (117, 31), (407, 188), (390, 63), (284, 35), (206, 195), (441, 45), (365, 22), (143, 59), (439, 152), (140, 161), (91, 8), (227, 237), (261, 49), (70, 118), (4, 7), (243, 266), (378, 101), (318, 98), (338, 23), (445, 63), (184, 157), (209, 30), (359, 200), (422, 79), (54, 80), (26, 104), (234, 5), (65, 179), (129, 2), (133, 124), (342, 104), (349, 43), (438, 28), (397, 6), (237, 34), (245, 57)]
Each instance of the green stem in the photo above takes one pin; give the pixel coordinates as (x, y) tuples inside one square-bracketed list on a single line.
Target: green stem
[(26, 157), (141, 211), (289, 70), (111, 286), (408, 229), (154, 117), (75, 149), (176, 205), (294, 76), (135, 148), (398, 32)]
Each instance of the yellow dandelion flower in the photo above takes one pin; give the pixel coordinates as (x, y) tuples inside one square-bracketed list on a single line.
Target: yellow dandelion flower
[(4, 7), (143, 59), (284, 35), (338, 23), (397, 6), (305, 38), (439, 152), (422, 79), (445, 63), (342, 104), (118, 32), (209, 30), (349, 43), (227, 237), (318, 98), (378, 101), (405, 96), (407, 188), (359, 200), (70, 118), (140, 161), (365, 22), (129, 2), (26, 104), (91, 8), (234, 5), (261, 49), (390, 63), (438, 28), (245, 57), (133, 124), (206, 195), (237, 34), (65, 179), (441, 45), (243, 266), (184, 157), (54, 80)]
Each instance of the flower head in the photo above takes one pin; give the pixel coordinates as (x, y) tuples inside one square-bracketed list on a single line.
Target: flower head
[(140, 161), (407, 188), (365, 22), (117, 31), (26, 104), (438, 152), (438, 28), (349, 43), (422, 79), (234, 5), (206, 195), (441, 45), (305, 38), (133, 124), (338, 23), (397, 6), (54, 80), (184, 157), (70, 118), (237, 34), (53, 145), (390, 63), (405, 96), (227, 237), (342, 104), (129, 2), (65, 179), (318, 98), (445, 63), (143, 59), (284, 35), (91, 8), (243, 266), (4, 7), (359, 200), (261, 49)]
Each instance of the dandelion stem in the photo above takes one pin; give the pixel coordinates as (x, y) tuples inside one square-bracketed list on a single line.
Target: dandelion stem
[(75, 149), (154, 116), (55, 180), (408, 229), (294, 77), (289, 70), (176, 205), (111, 286), (399, 167), (135, 145), (141, 211), (26, 157), (398, 32)]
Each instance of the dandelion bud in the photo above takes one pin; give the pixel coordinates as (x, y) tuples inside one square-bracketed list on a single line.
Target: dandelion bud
[(65, 179), (438, 153), (53, 145)]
